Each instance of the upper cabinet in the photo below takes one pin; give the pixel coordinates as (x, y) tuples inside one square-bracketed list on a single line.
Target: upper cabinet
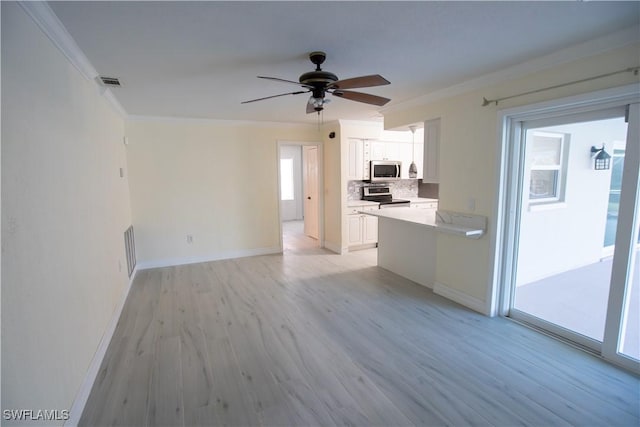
[(355, 166), (431, 165), (362, 151), (384, 150)]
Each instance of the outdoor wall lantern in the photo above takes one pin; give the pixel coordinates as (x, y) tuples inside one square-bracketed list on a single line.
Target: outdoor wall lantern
[(602, 159)]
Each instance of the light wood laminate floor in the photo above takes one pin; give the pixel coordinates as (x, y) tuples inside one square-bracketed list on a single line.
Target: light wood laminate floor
[(314, 338)]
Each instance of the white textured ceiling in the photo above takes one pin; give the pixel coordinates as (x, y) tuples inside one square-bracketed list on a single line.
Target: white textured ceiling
[(201, 59)]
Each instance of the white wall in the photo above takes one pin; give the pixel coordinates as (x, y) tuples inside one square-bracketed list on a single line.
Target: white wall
[(334, 191), (65, 209), (215, 181), (571, 234), (469, 146)]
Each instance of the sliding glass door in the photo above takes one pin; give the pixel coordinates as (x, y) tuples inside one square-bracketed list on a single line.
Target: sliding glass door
[(572, 240), (621, 342)]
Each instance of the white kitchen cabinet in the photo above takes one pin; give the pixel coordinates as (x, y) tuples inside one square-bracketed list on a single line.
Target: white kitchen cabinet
[(369, 229), (431, 165), (377, 150), (362, 229), (360, 152), (384, 150), (355, 160), (355, 229)]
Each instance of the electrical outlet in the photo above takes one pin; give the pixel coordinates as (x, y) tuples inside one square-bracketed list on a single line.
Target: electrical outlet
[(471, 204), (121, 173), (189, 239)]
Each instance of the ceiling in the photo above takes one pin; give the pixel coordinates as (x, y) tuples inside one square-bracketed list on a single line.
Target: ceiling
[(201, 59)]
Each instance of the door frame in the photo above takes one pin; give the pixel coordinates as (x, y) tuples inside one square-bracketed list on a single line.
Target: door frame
[(309, 190), (504, 241), (281, 143)]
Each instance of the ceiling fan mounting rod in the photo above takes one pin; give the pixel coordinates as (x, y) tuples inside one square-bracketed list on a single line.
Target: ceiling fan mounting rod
[(317, 57)]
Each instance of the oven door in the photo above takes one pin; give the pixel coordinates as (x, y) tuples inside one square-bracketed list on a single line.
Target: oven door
[(384, 170)]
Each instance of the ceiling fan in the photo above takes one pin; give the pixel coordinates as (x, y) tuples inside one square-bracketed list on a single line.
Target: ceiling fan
[(320, 83)]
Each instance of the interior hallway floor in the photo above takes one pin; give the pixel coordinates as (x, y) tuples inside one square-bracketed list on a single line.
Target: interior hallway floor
[(309, 338), (295, 241)]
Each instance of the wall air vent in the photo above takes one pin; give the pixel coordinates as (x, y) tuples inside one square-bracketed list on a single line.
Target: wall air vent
[(109, 81)]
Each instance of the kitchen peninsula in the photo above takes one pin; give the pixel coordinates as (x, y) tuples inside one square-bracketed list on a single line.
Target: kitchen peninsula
[(407, 238)]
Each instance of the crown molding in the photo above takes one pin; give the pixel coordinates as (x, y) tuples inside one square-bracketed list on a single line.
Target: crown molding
[(49, 23), (113, 102), (593, 47), (44, 17), (250, 123)]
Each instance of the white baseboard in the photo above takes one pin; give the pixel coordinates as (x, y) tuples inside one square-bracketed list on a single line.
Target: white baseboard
[(334, 247), (473, 303), (85, 389), (169, 262)]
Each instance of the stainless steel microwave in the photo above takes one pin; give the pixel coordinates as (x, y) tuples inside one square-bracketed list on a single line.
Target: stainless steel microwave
[(384, 170)]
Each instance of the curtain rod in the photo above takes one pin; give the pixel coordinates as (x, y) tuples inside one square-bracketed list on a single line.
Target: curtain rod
[(633, 70)]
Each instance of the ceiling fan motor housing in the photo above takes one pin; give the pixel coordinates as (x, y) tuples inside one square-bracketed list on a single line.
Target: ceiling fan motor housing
[(318, 79)]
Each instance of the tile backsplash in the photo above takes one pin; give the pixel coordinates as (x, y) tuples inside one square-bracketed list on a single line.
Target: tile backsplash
[(403, 188)]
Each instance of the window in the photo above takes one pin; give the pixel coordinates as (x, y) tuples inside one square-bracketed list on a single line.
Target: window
[(547, 159), (286, 179)]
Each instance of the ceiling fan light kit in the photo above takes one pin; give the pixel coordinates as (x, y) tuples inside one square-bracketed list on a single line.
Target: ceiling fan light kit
[(320, 83)]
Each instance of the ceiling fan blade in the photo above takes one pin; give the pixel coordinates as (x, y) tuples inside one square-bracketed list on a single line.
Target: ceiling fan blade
[(275, 96), (361, 97), (282, 80), (364, 81)]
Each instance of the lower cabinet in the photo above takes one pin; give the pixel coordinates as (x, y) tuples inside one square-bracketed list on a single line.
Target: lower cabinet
[(363, 230), (355, 229), (369, 229)]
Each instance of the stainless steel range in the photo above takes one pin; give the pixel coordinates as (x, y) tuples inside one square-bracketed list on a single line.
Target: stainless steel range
[(382, 194)]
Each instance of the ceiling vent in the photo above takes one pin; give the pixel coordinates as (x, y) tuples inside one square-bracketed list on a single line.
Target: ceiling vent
[(109, 81)]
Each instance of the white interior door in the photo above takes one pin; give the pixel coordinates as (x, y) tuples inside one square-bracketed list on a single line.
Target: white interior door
[(310, 171), (291, 205)]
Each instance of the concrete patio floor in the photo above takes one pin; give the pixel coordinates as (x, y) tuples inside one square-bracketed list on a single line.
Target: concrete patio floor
[(577, 300)]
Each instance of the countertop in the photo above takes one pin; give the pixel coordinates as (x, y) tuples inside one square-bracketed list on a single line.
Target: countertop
[(420, 199), (471, 226), (356, 203)]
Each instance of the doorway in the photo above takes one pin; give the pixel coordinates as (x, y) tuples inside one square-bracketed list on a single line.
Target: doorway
[(299, 195), (569, 263), (291, 204)]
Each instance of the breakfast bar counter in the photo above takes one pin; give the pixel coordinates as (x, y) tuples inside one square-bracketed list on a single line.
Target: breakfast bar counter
[(407, 238)]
